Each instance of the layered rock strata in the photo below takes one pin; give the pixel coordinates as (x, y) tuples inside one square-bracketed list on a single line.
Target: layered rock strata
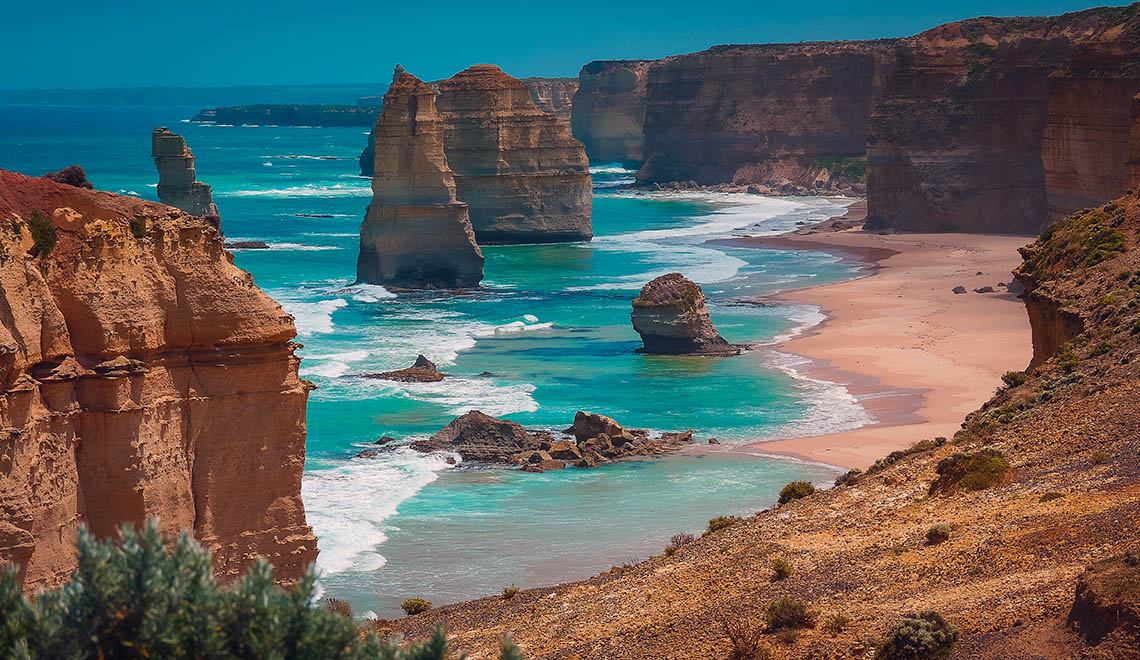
[(553, 96), (415, 233), (523, 176), (178, 185), (141, 374), (672, 319), (773, 115), (608, 112), (592, 440)]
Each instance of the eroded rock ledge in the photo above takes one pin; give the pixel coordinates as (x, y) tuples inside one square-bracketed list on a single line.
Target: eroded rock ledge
[(141, 374)]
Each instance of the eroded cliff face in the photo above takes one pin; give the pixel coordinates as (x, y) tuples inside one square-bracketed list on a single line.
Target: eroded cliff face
[(553, 95), (997, 125), (524, 177), (142, 374), (178, 184), (608, 114), (769, 115), (415, 234)]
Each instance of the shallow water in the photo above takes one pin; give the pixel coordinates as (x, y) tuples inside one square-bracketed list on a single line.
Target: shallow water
[(551, 325)]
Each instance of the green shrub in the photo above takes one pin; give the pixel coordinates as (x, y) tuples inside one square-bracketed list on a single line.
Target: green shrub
[(746, 639), (681, 538), (795, 491), (851, 168), (1098, 457), (721, 522), (788, 613), (414, 606), (138, 227), (147, 596), (895, 456), (849, 477), (44, 235), (670, 550), (1014, 378), (337, 606), (837, 623), (510, 592), (976, 471), (925, 636), (939, 533), (1049, 497), (781, 569)]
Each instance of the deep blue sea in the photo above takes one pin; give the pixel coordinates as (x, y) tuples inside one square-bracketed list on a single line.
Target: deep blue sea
[(551, 326)]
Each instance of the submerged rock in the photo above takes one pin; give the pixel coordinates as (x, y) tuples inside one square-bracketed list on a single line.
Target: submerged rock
[(72, 175), (247, 245), (416, 234), (178, 185), (671, 317), (422, 371), (523, 175)]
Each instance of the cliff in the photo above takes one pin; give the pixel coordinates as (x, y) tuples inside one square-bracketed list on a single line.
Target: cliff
[(772, 115), (1023, 530), (608, 111), (996, 125), (415, 233), (291, 115), (523, 176), (178, 185), (142, 374)]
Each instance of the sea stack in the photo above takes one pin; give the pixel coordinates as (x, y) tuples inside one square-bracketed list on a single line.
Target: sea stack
[(415, 234), (671, 317), (177, 184), (523, 176)]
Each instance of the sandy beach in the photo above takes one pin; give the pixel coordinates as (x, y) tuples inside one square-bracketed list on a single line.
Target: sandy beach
[(918, 356)]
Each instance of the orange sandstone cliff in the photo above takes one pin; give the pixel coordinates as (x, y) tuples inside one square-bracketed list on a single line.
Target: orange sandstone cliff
[(141, 374)]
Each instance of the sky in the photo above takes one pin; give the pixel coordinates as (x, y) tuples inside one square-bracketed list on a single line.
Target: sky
[(130, 43)]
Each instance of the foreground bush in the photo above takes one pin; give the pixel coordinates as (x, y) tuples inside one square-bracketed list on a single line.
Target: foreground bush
[(939, 533), (788, 613), (925, 636), (147, 597), (977, 471), (415, 606), (745, 638), (795, 491)]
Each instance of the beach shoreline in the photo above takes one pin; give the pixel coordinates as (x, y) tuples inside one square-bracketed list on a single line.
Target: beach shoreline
[(917, 356)]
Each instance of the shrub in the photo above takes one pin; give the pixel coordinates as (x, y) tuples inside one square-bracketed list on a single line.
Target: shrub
[(925, 636), (781, 569), (1066, 359), (939, 533), (681, 538), (745, 637), (337, 606), (1049, 497), (851, 168), (788, 613), (895, 456), (1098, 457), (795, 491), (414, 606), (43, 232), (837, 623), (670, 550), (510, 592), (976, 471), (149, 596), (721, 522), (849, 477), (1014, 378), (138, 227)]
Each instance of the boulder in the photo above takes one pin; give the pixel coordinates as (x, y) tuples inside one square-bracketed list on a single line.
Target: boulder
[(959, 289), (714, 441), (479, 437), (422, 371), (416, 233), (73, 175), (591, 425), (551, 465), (984, 289), (564, 451), (672, 319)]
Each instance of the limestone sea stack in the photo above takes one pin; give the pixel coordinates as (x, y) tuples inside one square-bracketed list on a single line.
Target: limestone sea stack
[(141, 374), (608, 112), (523, 176), (416, 234), (178, 185), (671, 317)]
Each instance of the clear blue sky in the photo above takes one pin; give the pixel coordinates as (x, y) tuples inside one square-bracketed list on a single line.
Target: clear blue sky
[(128, 43)]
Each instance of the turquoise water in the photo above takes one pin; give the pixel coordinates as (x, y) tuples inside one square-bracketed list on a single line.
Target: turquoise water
[(550, 326)]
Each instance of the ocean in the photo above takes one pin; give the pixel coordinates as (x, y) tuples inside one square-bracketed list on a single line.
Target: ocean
[(548, 334)]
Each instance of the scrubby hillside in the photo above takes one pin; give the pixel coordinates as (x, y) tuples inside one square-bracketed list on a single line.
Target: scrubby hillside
[(994, 529)]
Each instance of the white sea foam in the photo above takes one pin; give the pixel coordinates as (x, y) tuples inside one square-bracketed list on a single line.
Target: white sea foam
[(313, 317), (351, 529), (528, 324), (369, 293), (307, 190), (461, 395), (612, 168), (830, 407), (267, 164)]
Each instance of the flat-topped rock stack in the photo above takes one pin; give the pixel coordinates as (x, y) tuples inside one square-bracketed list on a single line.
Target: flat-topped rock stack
[(522, 174), (178, 185), (416, 234)]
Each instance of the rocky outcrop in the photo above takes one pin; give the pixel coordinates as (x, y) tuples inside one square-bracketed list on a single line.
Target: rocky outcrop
[(672, 319), (479, 437), (523, 176), (422, 370), (1107, 605), (553, 95), (141, 374), (72, 175), (780, 115), (290, 115), (608, 113), (997, 125), (178, 185), (415, 233)]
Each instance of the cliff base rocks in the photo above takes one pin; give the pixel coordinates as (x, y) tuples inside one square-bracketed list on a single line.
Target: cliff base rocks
[(422, 371), (672, 319)]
